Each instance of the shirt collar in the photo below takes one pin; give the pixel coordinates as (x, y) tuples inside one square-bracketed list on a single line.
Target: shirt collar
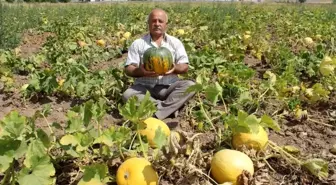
[(164, 38)]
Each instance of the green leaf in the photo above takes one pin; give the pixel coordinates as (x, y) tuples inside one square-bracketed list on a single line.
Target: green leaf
[(5, 162), (319, 93), (253, 122), (13, 125), (212, 92), (39, 173), (245, 97), (94, 175), (160, 138), (114, 135), (291, 149), (75, 122), (84, 139), (194, 88), (317, 167), (10, 149), (270, 123), (134, 112), (43, 137), (72, 45), (69, 140), (36, 150)]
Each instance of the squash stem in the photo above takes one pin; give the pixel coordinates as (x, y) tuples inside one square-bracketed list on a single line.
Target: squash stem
[(8, 174), (204, 113), (142, 146), (279, 149)]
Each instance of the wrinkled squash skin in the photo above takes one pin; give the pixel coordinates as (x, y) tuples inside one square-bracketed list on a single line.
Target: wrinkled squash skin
[(159, 60)]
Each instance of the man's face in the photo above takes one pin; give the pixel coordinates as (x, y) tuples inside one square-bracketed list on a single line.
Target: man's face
[(157, 23)]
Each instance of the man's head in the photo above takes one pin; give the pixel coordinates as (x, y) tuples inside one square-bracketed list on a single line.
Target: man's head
[(157, 22)]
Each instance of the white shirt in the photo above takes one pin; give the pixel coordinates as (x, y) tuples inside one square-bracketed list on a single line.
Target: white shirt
[(138, 48)]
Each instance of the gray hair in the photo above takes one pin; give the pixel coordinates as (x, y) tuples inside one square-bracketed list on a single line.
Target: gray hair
[(159, 10)]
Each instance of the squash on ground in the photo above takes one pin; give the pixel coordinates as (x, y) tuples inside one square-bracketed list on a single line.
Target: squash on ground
[(137, 171), (227, 165), (152, 124), (256, 141)]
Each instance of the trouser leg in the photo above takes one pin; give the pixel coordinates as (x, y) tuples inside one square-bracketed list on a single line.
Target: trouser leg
[(174, 97), (139, 91)]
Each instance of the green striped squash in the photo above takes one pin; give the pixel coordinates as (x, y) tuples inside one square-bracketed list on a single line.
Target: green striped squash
[(159, 60)]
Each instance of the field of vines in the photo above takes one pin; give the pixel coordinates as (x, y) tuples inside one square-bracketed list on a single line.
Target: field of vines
[(63, 121)]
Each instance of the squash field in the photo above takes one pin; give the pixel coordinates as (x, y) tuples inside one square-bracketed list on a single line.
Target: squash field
[(263, 72)]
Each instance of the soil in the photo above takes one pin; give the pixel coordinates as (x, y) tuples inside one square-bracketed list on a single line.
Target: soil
[(32, 42), (314, 136)]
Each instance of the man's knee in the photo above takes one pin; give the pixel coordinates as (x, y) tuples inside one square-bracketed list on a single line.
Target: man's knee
[(189, 83), (127, 94)]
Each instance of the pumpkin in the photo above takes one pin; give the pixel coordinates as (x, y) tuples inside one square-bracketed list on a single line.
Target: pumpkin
[(228, 164), (152, 124), (255, 141), (159, 60), (136, 171)]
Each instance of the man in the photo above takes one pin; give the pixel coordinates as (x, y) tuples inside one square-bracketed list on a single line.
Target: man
[(167, 91)]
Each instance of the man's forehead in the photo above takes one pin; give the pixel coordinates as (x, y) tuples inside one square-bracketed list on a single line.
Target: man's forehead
[(158, 14)]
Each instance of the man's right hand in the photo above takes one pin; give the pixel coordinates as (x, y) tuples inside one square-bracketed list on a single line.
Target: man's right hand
[(135, 71), (147, 73)]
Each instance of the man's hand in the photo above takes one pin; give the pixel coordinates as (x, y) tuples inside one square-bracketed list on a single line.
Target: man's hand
[(135, 71), (170, 71), (147, 73), (178, 69)]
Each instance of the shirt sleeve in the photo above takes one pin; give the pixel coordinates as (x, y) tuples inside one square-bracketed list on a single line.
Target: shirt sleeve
[(181, 54), (133, 56)]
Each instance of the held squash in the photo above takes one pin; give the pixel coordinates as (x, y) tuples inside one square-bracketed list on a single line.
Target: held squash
[(159, 60)]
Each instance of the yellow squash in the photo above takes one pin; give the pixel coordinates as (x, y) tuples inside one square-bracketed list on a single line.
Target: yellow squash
[(152, 124), (250, 140), (136, 171), (227, 165)]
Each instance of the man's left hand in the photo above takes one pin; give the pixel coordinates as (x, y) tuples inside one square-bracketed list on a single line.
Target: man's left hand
[(170, 71)]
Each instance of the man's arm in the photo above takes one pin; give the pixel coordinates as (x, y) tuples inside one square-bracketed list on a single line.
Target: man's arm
[(182, 61)]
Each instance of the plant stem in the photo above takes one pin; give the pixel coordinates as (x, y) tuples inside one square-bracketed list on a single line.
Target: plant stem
[(205, 114), (279, 149), (224, 104), (129, 148), (8, 174), (121, 153), (142, 146), (50, 129)]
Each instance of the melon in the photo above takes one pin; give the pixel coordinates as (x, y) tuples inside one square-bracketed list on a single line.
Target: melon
[(256, 141), (152, 124), (136, 171), (227, 165)]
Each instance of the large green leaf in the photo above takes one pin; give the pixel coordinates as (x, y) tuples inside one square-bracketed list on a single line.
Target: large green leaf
[(114, 135), (136, 112), (13, 125), (96, 174), (10, 149), (40, 172), (36, 150), (160, 138), (212, 92)]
